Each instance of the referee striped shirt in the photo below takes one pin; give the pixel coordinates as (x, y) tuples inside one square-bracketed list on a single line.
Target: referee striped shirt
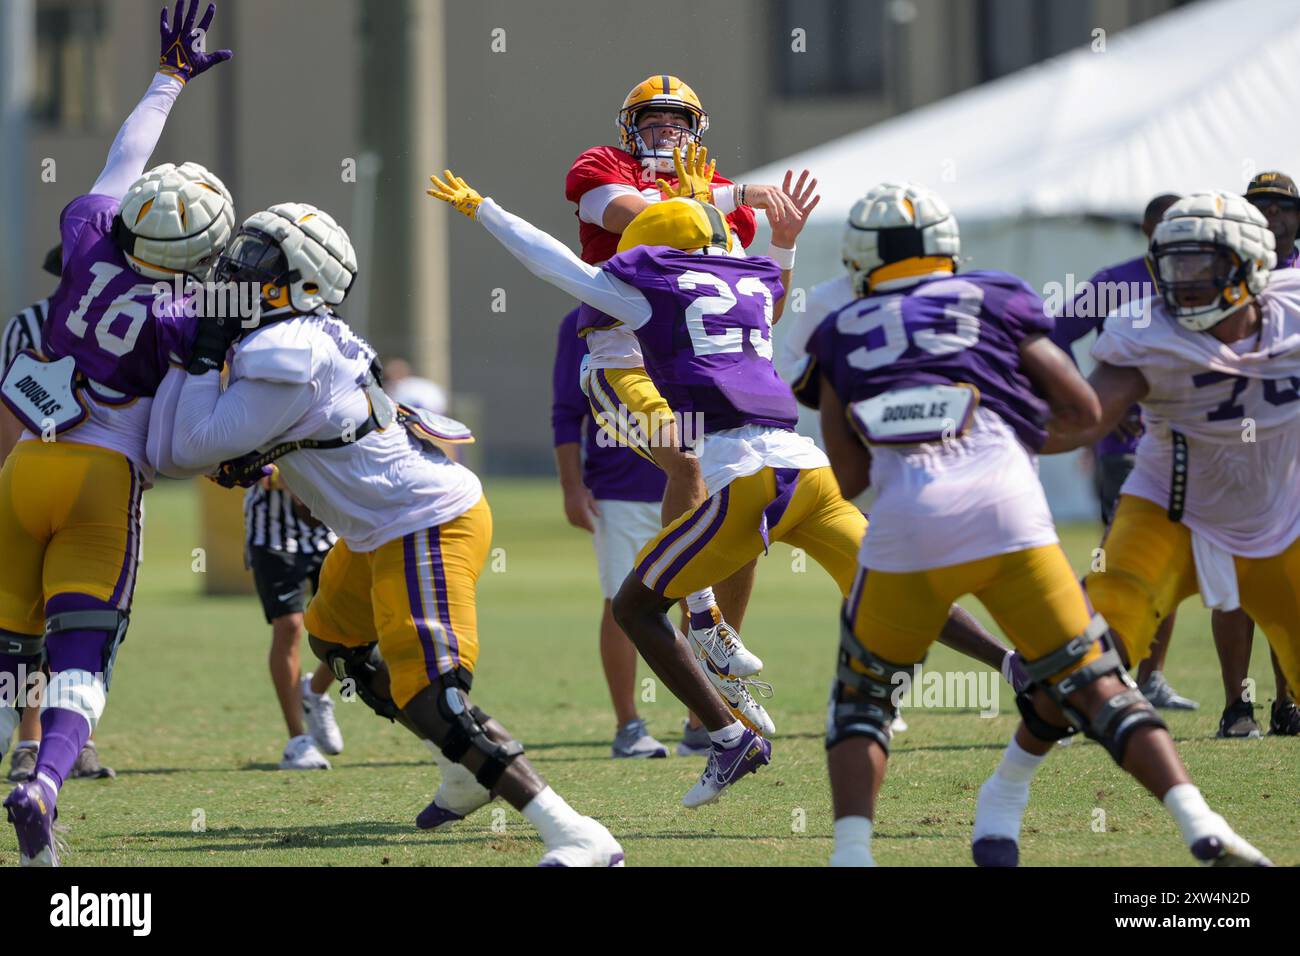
[(23, 331), (271, 522)]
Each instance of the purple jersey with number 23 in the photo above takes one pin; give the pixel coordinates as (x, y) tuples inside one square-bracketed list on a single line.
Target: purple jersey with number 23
[(950, 329), (708, 343), (106, 315)]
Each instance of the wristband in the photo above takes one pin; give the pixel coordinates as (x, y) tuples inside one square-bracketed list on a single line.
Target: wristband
[(724, 197), (783, 257)]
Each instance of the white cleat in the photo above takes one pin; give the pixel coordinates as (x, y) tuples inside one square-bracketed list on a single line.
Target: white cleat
[(898, 725), (300, 753), (459, 794), (318, 711), (722, 645), (741, 703), (588, 844)]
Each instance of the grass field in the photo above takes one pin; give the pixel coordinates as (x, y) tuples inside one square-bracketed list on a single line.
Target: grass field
[(195, 734)]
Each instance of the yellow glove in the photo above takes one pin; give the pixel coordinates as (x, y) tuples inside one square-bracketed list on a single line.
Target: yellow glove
[(459, 194), (694, 177)]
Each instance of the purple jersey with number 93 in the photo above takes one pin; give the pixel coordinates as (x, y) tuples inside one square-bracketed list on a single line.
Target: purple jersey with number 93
[(106, 315), (708, 343), (945, 330)]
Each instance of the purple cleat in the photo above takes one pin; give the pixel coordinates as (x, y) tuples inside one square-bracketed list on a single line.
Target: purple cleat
[(32, 813), (995, 851), (727, 765), (1227, 850), (434, 817)]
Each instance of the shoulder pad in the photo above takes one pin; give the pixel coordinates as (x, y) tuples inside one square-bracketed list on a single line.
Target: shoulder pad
[(278, 353)]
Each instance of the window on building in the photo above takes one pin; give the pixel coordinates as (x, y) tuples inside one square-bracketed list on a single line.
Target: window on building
[(68, 91), (839, 51)]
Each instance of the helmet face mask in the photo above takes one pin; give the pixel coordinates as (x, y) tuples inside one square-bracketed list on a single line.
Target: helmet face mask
[(1194, 275), (253, 256), (1212, 254)]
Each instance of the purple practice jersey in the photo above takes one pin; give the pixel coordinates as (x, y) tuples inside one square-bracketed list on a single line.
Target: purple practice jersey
[(106, 315), (962, 329), (708, 342), (611, 472), (1113, 289)]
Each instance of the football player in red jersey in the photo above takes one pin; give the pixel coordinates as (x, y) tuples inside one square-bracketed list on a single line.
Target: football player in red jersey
[(610, 185)]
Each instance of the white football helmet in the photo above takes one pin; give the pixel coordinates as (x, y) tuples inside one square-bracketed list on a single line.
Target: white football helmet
[(1213, 252), (893, 222), (296, 247), (174, 219)]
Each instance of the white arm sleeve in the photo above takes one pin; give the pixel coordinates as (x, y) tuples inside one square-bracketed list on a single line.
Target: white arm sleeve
[(592, 205), (551, 260), (137, 138), (212, 426), (162, 424)]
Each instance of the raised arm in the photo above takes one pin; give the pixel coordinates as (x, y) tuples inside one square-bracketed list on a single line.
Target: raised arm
[(545, 256), (182, 57)]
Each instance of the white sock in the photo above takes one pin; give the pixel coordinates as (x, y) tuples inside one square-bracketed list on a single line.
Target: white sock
[(1000, 807), (700, 601), (459, 786), (553, 817), (852, 842), (1193, 815), (32, 744), (728, 736)]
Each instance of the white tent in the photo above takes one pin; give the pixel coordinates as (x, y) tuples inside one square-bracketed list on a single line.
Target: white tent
[(1043, 167)]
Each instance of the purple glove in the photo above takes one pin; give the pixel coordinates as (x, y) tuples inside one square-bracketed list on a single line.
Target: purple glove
[(183, 55)]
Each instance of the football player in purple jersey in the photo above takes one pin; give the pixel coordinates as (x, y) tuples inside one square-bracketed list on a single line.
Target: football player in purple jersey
[(703, 320), (935, 390), (70, 509)]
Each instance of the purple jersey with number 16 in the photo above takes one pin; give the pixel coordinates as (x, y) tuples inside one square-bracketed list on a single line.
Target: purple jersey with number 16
[(708, 343), (945, 330), (106, 315)]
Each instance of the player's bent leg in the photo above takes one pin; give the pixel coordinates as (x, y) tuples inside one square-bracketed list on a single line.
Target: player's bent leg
[(461, 730), (1085, 679), (629, 407), (888, 622), (707, 544), (1146, 571)]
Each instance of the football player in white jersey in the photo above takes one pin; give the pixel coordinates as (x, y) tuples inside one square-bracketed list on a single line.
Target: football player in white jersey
[(414, 526), (1210, 505)]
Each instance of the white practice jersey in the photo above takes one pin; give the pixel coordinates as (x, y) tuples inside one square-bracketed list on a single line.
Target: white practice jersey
[(302, 378), (1238, 405), (943, 503), (791, 356)]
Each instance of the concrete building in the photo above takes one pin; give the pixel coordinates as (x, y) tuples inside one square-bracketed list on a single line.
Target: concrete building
[(349, 104)]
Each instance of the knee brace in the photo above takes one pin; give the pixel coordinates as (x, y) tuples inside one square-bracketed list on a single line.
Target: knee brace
[(1119, 716), (22, 645), (465, 725), (362, 666), (863, 705), (111, 621)]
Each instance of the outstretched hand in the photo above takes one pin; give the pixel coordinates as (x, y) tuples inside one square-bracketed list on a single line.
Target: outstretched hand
[(183, 44), (802, 199), (694, 177), (457, 193)]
